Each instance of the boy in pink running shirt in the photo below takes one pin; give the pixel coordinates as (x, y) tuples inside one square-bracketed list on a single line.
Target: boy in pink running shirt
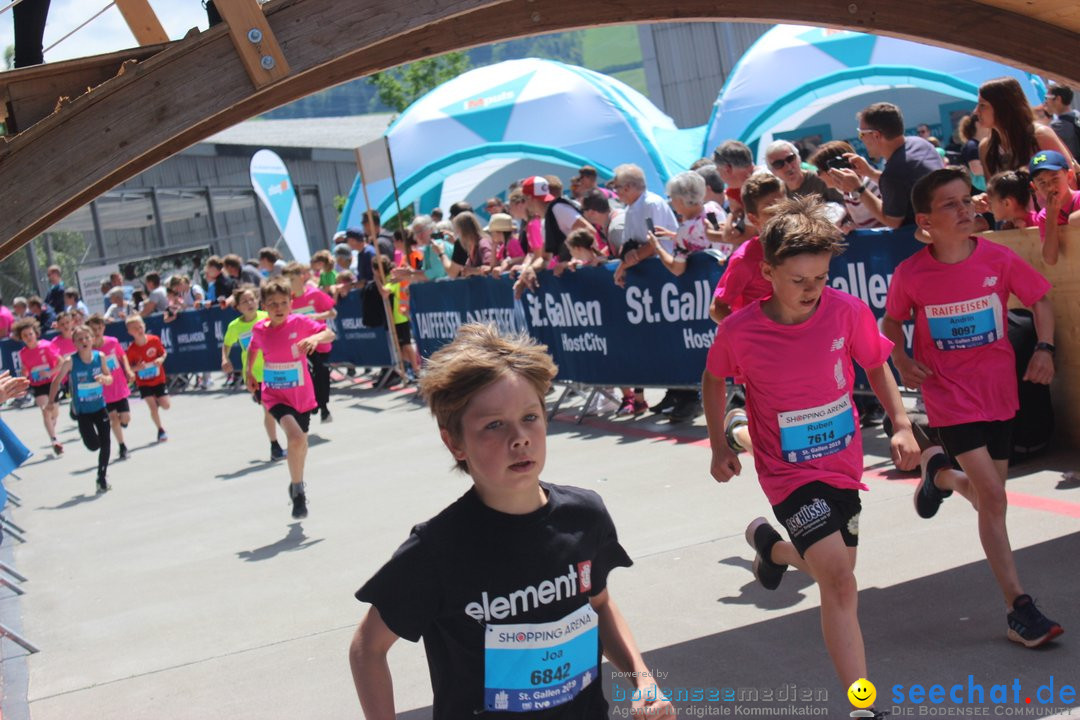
[(39, 360), (805, 427), (957, 291), (117, 392), (741, 284), (309, 300), (1050, 175), (286, 340)]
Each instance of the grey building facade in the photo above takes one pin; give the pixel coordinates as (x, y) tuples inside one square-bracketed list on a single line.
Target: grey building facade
[(686, 64)]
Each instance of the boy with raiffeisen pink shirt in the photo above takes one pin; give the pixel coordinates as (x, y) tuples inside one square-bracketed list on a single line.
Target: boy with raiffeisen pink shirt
[(795, 351), (285, 341), (957, 291)]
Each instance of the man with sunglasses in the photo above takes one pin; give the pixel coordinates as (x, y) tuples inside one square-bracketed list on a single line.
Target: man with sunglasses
[(907, 159), (783, 160)]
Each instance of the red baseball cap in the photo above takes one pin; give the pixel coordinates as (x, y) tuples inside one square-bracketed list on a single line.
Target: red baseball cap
[(537, 187)]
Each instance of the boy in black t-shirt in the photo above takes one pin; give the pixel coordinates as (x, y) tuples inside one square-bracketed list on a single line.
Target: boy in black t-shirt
[(508, 585)]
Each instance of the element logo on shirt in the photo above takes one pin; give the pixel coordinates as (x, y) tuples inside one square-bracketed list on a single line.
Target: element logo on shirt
[(990, 281), (838, 373), (531, 597), (838, 344)]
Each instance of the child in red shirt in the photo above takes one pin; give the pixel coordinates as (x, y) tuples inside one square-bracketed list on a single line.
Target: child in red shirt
[(956, 290), (146, 356)]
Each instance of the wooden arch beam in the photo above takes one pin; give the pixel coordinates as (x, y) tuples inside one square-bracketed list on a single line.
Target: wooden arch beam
[(199, 87)]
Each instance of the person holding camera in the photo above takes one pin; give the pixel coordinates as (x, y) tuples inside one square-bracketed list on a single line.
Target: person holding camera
[(831, 156), (907, 159)]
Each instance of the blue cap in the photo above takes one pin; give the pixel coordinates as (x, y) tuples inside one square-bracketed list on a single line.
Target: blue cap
[(354, 233), (1047, 160)]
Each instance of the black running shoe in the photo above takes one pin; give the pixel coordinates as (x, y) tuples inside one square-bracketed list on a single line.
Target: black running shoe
[(761, 536), (162, 436), (1028, 626), (123, 451), (928, 496), (665, 404), (299, 501), (685, 411), (276, 452), (103, 485), (325, 416)]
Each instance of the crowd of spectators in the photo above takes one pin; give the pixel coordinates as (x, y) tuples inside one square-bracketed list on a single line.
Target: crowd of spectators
[(542, 226)]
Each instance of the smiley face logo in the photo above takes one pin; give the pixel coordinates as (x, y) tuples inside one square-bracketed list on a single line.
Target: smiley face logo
[(862, 693)]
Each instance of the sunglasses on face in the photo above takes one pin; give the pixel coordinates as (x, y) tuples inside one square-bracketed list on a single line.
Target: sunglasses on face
[(777, 164)]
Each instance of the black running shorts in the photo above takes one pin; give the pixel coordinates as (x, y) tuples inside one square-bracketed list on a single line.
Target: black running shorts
[(303, 419), (816, 510), (995, 436)]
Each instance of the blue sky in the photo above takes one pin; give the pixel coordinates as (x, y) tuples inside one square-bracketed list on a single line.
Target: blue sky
[(106, 33)]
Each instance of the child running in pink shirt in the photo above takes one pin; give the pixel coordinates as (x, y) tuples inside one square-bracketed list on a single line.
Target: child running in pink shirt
[(957, 291), (117, 393), (795, 351), (741, 284), (286, 340), (317, 305), (39, 360)]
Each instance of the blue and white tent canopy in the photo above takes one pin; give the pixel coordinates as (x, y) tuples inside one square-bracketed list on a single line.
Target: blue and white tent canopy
[(798, 79), (502, 116)]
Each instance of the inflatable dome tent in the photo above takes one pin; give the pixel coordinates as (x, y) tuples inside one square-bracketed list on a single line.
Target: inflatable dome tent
[(472, 136), (803, 83)]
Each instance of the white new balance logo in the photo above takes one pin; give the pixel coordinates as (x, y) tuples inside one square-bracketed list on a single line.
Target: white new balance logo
[(990, 281), (838, 344)]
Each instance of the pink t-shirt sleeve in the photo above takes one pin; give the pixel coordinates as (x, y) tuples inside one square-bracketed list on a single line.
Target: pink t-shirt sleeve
[(721, 361), (256, 343), (869, 347), (1024, 281), (898, 304), (323, 302), (310, 327), (734, 280)]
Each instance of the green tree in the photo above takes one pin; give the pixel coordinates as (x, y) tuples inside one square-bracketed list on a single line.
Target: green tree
[(400, 87), (68, 250), (9, 57)]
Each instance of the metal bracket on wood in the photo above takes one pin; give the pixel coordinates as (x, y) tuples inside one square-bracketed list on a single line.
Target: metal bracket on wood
[(17, 639), (254, 41)]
